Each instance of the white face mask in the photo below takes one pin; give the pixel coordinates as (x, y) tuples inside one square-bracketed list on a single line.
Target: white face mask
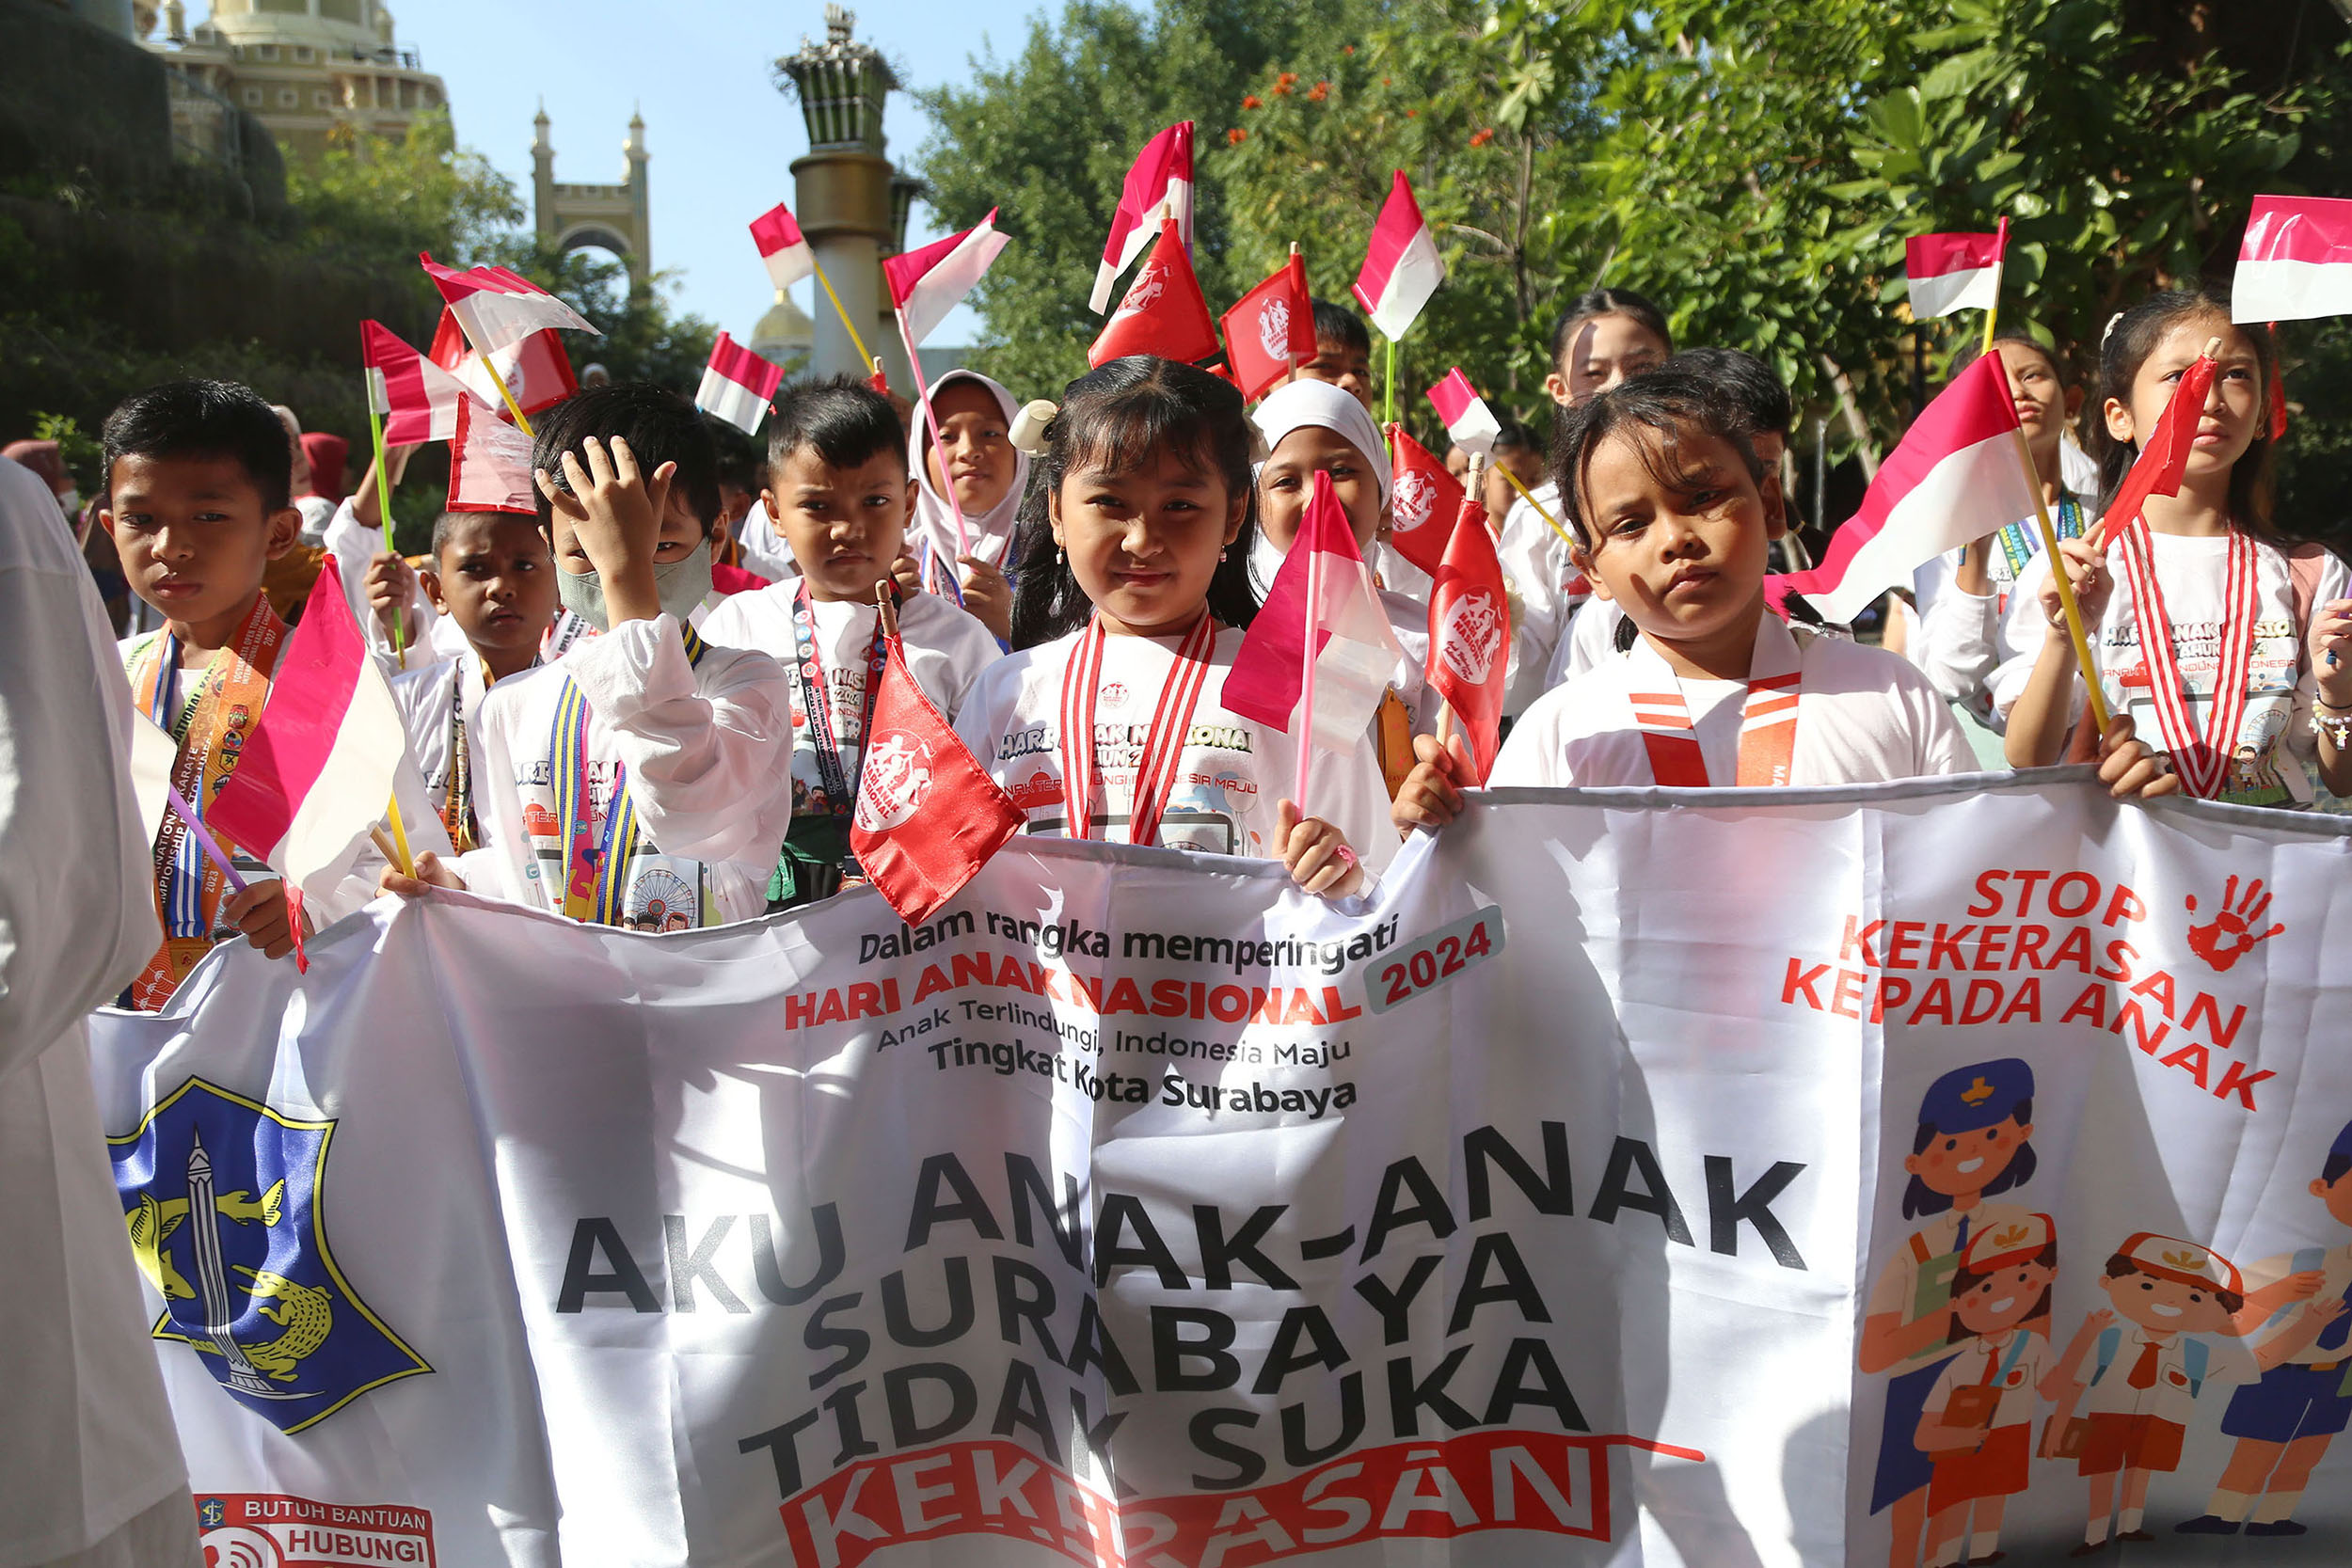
[(682, 584)]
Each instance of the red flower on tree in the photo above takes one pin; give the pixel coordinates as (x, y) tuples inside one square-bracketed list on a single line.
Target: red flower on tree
[(1284, 83), (1235, 137), (1320, 91), (1481, 137), (1253, 101)]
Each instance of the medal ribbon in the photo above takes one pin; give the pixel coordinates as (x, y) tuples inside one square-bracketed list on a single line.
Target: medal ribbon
[(211, 734), (1171, 721), (2203, 760), (595, 878), (1767, 722), (808, 674)]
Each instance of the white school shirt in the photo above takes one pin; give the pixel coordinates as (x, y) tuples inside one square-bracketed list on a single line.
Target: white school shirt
[(704, 746), (1229, 773), (430, 696), (354, 548), (2169, 1399), (1962, 637), (88, 1442), (1865, 716), (1981, 1359), (1400, 576), (2193, 574), (946, 650), (1408, 618), (1546, 593)]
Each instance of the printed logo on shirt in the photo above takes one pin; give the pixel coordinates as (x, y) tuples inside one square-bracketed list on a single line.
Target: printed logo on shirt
[(224, 1201), (1113, 694), (261, 1529)]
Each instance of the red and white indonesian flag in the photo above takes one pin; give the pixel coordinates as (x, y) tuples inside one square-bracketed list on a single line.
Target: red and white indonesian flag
[(1468, 419), (1402, 268), (781, 247), (1158, 186), (2296, 262), (1470, 632), (1954, 272), (926, 284), (1324, 581), (536, 371), (489, 464), (1164, 311), (737, 385), (497, 306), (321, 767), (1955, 477), (417, 398)]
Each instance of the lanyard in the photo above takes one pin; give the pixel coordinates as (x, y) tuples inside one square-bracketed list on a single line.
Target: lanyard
[(808, 672), (1767, 722), (2203, 760), (1171, 721), (457, 801), (595, 866), (2021, 541)]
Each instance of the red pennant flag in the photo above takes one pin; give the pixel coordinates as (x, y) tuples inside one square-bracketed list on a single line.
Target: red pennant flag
[(928, 816), (537, 370), (1269, 330), (1424, 501), (2156, 471), (1163, 312), (1470, 632)]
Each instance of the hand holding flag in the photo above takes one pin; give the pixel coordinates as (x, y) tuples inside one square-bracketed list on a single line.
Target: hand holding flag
[(925, 285)]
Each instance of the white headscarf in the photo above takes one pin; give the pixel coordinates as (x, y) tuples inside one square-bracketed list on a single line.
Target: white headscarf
[(990, 535), (1321, 405)]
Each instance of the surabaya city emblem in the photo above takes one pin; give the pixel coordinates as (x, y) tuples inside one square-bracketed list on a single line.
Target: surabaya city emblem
[(897, 776), (1274, 328), (1145, 291), (1472, 636), (1416, 497), (224, 1200)]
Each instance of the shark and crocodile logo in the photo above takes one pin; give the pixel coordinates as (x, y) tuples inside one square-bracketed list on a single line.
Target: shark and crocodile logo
[(222, 1196)]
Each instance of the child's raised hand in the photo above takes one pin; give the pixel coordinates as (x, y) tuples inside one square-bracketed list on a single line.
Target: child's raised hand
[(390, 582), (988, 593), (431, 871), (1316, 854), (260, 913), (2331, 653), (1431, 796), (907, 574), (2086, 568), (614, 511), (2128, 767)]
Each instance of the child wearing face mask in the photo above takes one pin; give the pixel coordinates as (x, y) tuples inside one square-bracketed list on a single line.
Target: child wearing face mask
[(641, 779), (1132, 600)]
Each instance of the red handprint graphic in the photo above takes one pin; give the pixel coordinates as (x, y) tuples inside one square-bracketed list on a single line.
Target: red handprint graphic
[(2230, 935)]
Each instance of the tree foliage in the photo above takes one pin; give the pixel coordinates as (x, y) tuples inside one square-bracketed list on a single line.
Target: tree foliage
[(389, 196)]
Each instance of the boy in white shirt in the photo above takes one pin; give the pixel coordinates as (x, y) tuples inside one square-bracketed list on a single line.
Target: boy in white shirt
[(836, 484), (637, 781), (1674, 518)]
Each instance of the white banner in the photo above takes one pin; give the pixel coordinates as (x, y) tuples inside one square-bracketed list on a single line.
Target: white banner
[(1902, 1174)]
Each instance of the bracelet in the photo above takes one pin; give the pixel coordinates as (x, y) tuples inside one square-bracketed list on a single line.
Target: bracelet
[(2336, 726)]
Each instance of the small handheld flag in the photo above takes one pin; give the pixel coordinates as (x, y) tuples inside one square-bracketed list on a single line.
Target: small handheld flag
[(2296, 261), (1953, 272), (489, 464), (1425, 502), (1468, 419), (1163, 312), (1269, 329), (497, 306), (737, 385), (417, 398), (1159, 188), (1470, 632), (535, 373), (782, 248), (1402, 267), (927, 283)]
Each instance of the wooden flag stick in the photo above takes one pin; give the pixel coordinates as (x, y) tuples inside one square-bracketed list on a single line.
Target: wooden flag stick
[(887, 608), (1446, 727), (839, 309), (2067, 602)]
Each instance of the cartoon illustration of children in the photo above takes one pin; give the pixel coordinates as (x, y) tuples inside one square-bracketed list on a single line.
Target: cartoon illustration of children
[(2146, 1372), (1977, 1426), (2284, 1421), (1975, 1123)]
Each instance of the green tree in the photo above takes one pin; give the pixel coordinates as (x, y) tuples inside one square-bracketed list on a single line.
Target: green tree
[(641, 341), (392, 197)]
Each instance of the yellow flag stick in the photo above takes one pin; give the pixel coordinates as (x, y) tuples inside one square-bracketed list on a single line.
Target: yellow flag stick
[(2073, 611), (838, 310), (1565, 538), (512, 406), (404, 863), (1993, 311)]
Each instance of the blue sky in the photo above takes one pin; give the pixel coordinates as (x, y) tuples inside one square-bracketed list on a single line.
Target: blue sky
[(721, 137)]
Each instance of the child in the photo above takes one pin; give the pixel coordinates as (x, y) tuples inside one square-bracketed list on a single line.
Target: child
[(837, 486), (1342, 353), (2285, 1422), (1604, 337), (989, 478), (1962, 638), (1599, 629), (2216, 636), (1312, 427), (197, 483), (493, 579), (638, 779), (2145, 1376), (1977, 1423), (1133, 594), (738, 488)]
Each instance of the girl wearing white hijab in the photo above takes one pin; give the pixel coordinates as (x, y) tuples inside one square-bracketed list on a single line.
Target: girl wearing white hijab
[(990, 476)]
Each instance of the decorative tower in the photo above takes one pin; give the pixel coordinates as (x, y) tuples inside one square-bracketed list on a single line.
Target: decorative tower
[(842, 191), (617, 219)]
